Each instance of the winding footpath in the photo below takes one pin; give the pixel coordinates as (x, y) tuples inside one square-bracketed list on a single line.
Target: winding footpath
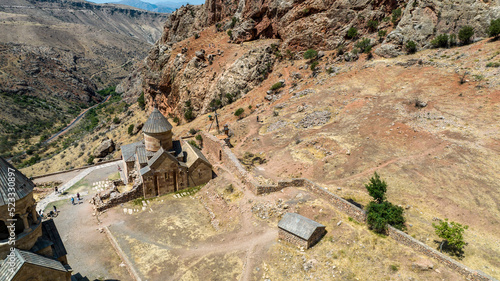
[(61, 132)]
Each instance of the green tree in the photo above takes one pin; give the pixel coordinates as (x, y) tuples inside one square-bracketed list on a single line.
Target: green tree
[(376, 188), (494, 28), (310, 54), (116, 120), (140, 101), (452, 234), (465, 34), (239, 112), (379, 215), (352, 33), (411, 47), (131, 129)]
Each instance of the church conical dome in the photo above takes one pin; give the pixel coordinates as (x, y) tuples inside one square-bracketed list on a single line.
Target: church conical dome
[(156, 123), (20, 185)]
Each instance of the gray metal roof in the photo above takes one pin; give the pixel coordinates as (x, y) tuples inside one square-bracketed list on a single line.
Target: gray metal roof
[(128, 151), (145, 170), (22, 185), (299, 225), (140, 152), (9, 271), (156, 123), (49, 232), (194, 154)]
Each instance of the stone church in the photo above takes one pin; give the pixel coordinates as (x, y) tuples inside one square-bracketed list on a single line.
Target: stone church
[(39, 253), (162, 164)]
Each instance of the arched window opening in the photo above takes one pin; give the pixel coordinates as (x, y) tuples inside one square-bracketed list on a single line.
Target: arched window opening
[(19, 224)]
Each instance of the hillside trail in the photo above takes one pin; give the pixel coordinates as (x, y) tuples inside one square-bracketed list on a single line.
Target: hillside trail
[(251, 238)]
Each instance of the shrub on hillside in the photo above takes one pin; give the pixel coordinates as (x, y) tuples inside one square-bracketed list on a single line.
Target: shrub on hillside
[(372, 25), (131, 129), (310, 54), (352, 33), (440, 41), (411, 47), (381, 35), (364, 45), (465, 34), (276, 86), (314, 64), (395, 15), (239, 112), (141, 102), (494, 28)]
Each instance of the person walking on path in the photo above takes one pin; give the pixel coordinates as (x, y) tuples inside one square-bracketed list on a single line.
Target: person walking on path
[(78, 196), (72, 200), (55, 209), (57, 190)]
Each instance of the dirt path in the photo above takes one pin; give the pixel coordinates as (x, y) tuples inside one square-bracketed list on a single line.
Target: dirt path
[(72, 123)]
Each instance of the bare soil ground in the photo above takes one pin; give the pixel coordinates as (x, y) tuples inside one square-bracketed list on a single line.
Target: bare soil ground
[(89, 252), (440, 161)]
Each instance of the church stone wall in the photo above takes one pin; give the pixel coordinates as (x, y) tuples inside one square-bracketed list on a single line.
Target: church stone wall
[(199, 173)]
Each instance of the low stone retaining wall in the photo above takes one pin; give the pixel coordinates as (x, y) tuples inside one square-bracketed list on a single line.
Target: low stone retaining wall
[(216, 148), (418, 246), (124, 197)]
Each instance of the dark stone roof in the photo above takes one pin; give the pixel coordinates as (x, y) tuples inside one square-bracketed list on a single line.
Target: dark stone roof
[(299, 225), (128, 151), (194, 154), (23, 186), (159, 157), (156, 123), (9, 271), (49, 232)]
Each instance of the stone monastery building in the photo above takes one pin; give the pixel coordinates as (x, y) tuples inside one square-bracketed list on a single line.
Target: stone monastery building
[(164, 165), (38, 253)]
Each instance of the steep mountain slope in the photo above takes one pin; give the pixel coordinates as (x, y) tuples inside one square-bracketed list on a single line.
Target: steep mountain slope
[(427, 122), (58, 53), (321, 25)]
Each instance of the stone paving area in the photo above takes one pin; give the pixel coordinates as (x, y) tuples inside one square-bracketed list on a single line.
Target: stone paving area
[(52, 197)]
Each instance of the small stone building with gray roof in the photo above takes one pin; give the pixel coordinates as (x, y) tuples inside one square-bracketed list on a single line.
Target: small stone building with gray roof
[(162, 164), (299, 230)]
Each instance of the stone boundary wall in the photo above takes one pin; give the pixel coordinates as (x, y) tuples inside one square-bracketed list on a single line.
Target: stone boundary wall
[(219, 152), (340, 203), (213, 146), (418, 246), (74, 169)]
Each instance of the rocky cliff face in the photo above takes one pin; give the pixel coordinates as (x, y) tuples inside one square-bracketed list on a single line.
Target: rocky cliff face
[(422, 20), (172, 76)]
